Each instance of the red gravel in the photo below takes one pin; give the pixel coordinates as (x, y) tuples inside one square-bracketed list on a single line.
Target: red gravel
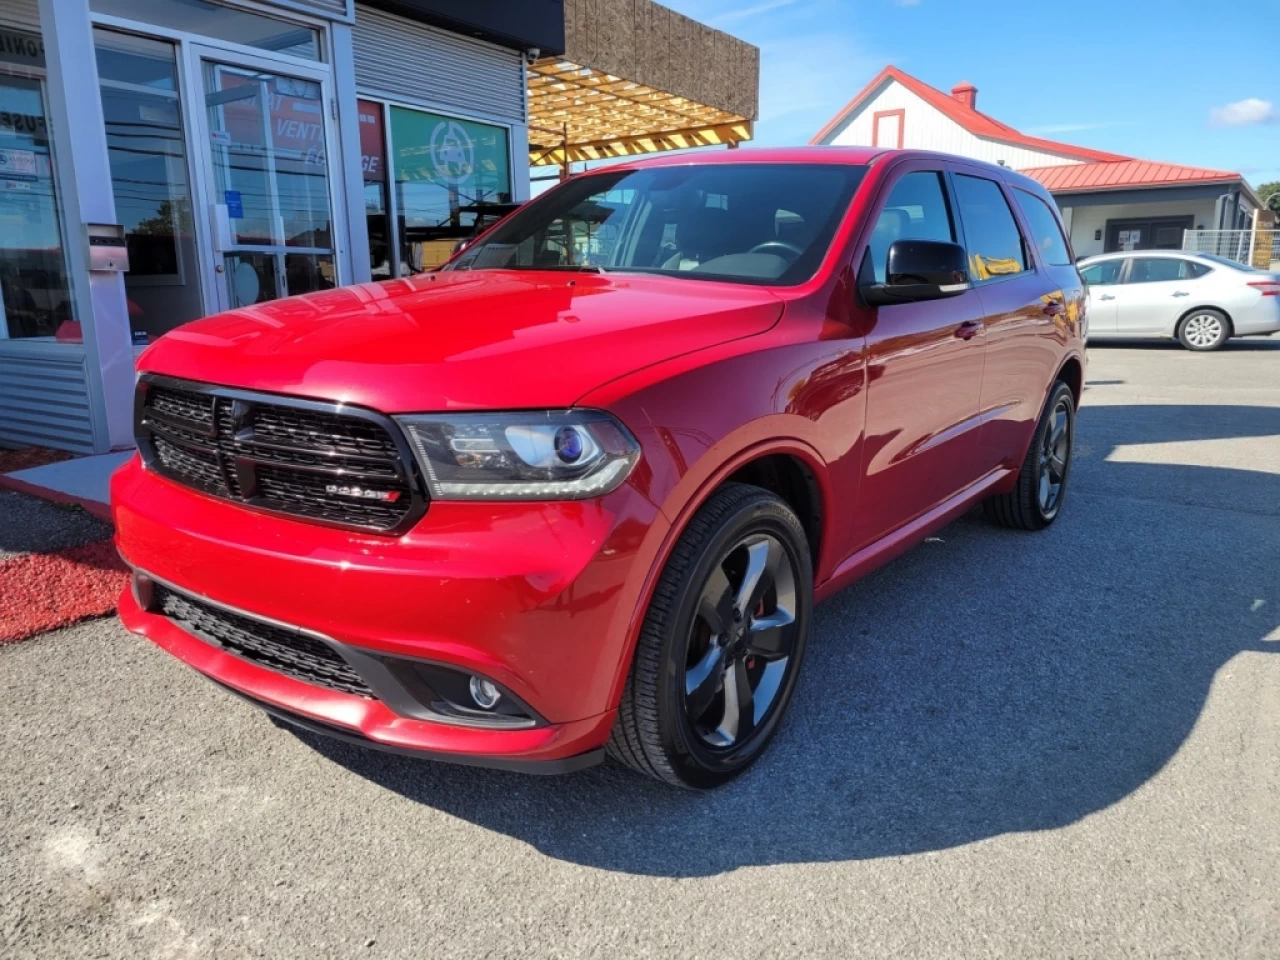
[(11, 460), (41, 591)]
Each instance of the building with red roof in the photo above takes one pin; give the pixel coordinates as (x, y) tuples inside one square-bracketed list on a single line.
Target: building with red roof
[(1109, 201)]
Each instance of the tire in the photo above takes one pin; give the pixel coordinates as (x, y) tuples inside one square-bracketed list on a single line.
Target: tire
[(1034, 503), (701, 635), (1204, 330)]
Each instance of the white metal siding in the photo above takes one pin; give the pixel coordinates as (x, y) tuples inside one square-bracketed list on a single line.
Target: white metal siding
[(23, 13), (1085, 221), (927, 128), (402, 60), (330, 9), (44, 401)]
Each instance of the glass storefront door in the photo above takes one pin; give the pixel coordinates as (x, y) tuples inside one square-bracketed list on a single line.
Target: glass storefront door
[(150, 179), (269, 178)]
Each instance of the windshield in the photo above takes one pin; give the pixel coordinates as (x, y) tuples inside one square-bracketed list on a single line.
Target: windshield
[(1228, 262), (745, 222)]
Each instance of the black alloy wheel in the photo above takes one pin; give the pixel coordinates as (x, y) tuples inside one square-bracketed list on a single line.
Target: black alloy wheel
[(722, 643), (740, 642), (1055, 457), (1036, 499)]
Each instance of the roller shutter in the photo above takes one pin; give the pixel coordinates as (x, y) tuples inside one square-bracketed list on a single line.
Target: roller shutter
[(403, 60)]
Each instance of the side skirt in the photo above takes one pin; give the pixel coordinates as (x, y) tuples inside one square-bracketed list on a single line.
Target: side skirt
[(905, 537)]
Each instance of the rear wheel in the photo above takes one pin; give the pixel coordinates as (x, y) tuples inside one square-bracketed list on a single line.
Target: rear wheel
[(1204, 330), (1036, 500), (721, 645)]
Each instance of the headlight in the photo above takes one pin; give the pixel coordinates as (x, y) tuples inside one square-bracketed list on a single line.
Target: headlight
[(553, 455)]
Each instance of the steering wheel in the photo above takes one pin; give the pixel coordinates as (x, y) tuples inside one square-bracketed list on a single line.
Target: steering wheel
[(772, 246)]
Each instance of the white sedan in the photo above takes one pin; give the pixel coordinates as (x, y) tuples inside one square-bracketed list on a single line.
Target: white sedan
[(1201, 299)]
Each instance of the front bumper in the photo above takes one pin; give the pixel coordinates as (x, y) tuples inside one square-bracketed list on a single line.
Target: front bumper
[(539, 597)]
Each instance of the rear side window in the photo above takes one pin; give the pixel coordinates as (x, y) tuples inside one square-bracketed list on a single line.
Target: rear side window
[(995, 243), (916, 210), (1046, 233), (1103, 273), (1164, 269)]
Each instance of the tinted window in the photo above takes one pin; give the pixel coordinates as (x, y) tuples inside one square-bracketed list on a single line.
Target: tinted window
[(916, 210), (1160, 269), (1046, 234), (995, 245), (750, 222), (1102, 273)]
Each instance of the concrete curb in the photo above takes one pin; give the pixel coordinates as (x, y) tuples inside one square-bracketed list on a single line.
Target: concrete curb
[(100, 510)]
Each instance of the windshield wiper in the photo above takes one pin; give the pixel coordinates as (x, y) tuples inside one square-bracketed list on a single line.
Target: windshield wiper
[(570, 267)]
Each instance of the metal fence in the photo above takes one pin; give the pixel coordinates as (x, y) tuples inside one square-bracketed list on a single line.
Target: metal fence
[(1261, 248)]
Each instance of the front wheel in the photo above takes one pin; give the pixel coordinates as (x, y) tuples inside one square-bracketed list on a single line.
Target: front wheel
[(720, 649)]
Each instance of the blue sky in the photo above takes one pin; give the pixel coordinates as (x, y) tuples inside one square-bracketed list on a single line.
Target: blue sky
[(1196, 83)]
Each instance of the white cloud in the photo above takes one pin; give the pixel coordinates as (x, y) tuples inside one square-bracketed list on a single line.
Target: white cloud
[(1077, 127), (1244, 113), (733, 16)]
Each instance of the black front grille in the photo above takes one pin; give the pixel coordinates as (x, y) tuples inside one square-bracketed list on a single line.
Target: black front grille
[(277, 648), (337, 465)]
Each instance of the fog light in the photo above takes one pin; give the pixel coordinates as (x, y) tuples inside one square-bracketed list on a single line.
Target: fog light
[(484, 693)]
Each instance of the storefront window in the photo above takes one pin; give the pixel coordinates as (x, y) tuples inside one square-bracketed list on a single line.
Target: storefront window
[(218, 22), (36, 301), (373, 161), (147, 148), (448, 173)]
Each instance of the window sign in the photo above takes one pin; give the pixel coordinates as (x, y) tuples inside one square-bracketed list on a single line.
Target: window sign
[(21, 49), (447, 172), (373, 163), (373, 144), (18, 164)]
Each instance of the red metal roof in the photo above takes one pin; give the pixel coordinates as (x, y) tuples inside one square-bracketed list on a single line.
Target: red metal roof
[(974, 121), (1082, 177)]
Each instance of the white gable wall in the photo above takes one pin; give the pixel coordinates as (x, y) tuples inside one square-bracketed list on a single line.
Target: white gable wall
[(926, 128)]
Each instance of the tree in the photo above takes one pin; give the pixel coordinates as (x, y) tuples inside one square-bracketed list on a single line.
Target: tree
[(1269, 193)]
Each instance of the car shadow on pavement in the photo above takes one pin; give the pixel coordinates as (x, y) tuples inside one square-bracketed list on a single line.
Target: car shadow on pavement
[(1236, 343), (988, 682)]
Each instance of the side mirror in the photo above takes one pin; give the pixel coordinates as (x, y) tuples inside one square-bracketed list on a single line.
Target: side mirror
[(917, 270)]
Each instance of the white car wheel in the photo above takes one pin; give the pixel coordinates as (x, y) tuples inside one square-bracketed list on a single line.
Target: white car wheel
[(1204, 330)]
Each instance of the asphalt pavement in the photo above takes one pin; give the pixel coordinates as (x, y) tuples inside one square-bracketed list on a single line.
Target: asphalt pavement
[(1004, 745)]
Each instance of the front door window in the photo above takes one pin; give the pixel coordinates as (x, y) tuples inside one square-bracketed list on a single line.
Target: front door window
[(273, 213)]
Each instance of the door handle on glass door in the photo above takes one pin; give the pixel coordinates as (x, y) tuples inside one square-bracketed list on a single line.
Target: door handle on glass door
[(968, 330)]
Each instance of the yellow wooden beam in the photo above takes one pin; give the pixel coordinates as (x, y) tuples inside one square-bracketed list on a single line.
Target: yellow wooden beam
[(729, 134)]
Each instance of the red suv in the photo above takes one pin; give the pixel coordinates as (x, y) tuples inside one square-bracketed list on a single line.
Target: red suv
[(577, 493)]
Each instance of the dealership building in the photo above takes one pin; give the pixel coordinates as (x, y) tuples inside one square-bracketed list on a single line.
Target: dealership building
[(161, 160)]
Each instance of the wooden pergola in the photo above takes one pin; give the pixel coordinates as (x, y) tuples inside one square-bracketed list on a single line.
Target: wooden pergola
[(637, 78)]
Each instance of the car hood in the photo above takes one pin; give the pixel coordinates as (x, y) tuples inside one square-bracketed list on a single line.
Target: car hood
[(463, 340)]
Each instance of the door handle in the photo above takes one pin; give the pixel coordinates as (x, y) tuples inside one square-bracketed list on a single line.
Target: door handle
[(968, 330), (1106, 296), (1181, 293)]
